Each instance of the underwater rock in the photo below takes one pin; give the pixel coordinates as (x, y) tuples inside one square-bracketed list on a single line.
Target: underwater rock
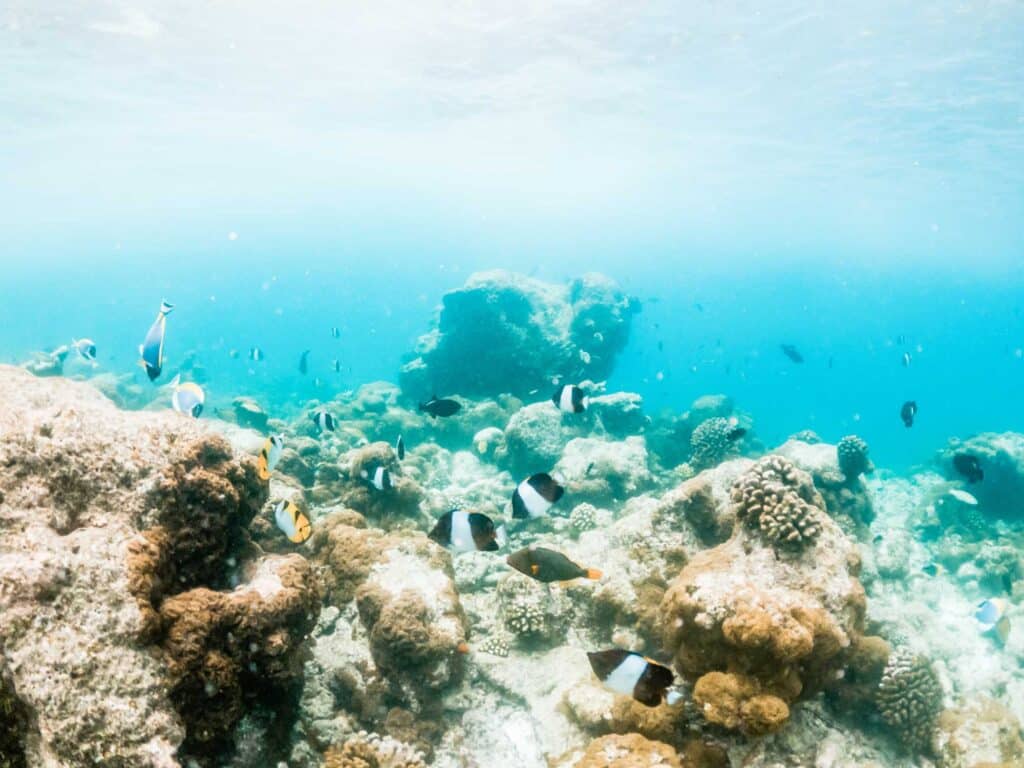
[(1001, 457), (909, 698), (80, 585), (981, 732), (249, 413), (603, 472), (46, 364), (630, 750), (535, 436), (782, 617), (620, 413), (226, 651), (505, 332)]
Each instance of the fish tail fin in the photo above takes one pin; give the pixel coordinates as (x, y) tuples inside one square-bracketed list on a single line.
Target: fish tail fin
[(593, 573), (176, 380), (166, 307), (673, 697)]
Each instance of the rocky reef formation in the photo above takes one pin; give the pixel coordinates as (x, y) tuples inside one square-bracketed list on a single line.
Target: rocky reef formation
[(108, 520), (504, 332), (1001, 458)]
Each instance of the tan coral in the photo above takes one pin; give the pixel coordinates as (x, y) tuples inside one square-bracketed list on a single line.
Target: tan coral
[(738, 702), (982, 733), (369, 750), (629, 750)]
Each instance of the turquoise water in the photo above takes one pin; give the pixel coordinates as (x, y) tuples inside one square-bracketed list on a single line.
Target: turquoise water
[(832, 178)]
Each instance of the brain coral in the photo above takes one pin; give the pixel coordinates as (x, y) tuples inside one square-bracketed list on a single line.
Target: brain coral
[(768, 497), (910, 698)]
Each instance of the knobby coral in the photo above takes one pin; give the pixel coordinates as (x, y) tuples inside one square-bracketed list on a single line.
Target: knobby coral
[(767, 497), (370, 750), (710, 442), (852, 453)]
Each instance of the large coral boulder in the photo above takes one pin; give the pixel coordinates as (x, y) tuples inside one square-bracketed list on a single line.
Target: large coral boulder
[(106, 517), (775, 607), (1001, 458), (505, 332)]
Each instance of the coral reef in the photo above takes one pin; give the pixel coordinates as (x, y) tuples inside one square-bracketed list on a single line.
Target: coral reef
[(771, 497), (249, 413), (909, 698), (520, 333), (604, 472), (737, 702), (583, 518), (1001, 457), (852, 455), (402, 499), (846, 498)]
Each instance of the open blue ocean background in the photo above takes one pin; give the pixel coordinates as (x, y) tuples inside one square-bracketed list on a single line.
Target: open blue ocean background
[(846, 180)]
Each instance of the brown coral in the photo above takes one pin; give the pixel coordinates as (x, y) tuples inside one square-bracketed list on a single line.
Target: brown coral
[(369, 750), (224, 650), (737, 702), (981, 733)]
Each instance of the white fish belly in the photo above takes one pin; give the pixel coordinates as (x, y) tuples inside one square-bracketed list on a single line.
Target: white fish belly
[(624, 677), (536, 505)]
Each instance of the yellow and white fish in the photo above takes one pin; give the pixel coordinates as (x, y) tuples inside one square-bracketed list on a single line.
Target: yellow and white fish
[(270, 455), (292, 522)]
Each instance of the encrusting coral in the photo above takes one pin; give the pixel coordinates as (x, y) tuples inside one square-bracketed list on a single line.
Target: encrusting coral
[(981, 732), (768, 497), (852, 454), (737, 702), (909, 698), (629, 750)]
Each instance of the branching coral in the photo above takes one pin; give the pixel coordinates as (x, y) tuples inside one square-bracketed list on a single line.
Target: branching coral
[(852, 453), (710, 442), (369, 750), (767, 498), (910, 698)]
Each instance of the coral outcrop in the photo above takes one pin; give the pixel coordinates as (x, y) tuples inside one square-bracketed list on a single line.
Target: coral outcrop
[(774, 497), (981, 732), (370, 750), (604, 471), (738, 702), (710, 442), (852, 455), (779, 622), (401, 499), (1001, 458), (504, 332)]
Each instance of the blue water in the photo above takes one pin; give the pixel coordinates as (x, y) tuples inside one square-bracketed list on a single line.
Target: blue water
[(830, 178)]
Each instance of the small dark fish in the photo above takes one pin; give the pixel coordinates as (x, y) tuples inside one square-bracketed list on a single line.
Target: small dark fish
[(535, 496), (830, 362), (233, 354), (908, 412), (901, 339), (590, 468), (792, 353), (931, 569), (661, 346), (335, 332), (736, 433), (634, 675), (468, 531), (304, 363), (337, 366), (969, 466), (444, 408), (878, 538), (256, 354), (400, 448), (906, 359), (698, 306), (547, 565)]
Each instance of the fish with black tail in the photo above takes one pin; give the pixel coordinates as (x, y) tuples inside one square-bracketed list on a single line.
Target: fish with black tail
[(908, 412), (548, 565), (437, 407), (535, 496), (629, 673), (462, 531), (967, 464)]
